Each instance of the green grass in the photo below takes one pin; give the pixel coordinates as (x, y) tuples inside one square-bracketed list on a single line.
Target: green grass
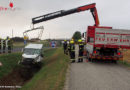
[(125, 63), (21, 44), (52, 74), (50, 77), (18, 44), (9, 62)]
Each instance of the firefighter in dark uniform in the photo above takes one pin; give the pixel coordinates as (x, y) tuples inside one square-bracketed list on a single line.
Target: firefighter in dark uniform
[(81, 50), (68, 48), (10, 44), (65, 47), (72, 51), (4, 45), (0, 45)]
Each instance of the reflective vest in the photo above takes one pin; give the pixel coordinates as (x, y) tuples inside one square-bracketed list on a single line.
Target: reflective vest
[(0, 42), (81, 47), (72, 47), (10, 43), (4, 42)]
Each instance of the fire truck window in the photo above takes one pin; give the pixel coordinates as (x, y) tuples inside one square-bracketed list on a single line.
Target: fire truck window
[(88, 39)]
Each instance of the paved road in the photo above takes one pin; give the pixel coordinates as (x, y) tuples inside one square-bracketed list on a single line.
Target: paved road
[(98, 76)]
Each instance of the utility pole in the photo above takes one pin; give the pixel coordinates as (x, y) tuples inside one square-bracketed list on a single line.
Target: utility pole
[(12, 33), (49, 37)]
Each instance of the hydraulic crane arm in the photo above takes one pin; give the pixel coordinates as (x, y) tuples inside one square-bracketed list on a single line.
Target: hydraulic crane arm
[(91, 7)]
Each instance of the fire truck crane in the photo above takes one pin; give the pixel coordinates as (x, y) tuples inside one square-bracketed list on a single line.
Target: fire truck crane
[(91, 7)]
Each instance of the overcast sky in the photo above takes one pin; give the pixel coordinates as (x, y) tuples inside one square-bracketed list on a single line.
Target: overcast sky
[(115, 13)]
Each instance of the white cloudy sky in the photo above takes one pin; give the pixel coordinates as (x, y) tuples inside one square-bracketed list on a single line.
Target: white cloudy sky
[(115, 13)]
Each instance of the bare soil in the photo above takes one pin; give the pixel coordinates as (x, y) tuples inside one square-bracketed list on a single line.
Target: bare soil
[(18, 77)]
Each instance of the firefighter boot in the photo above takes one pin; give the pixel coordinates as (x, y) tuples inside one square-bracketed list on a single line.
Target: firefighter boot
[(79, 60), (72, 61), (3, 51), (9, 51)]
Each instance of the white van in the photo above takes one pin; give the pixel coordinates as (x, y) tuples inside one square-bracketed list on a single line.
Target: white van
[(32, 54)]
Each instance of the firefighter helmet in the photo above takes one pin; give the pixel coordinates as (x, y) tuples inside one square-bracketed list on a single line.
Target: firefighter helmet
[(7, 37), (71, 42), (79, 40)]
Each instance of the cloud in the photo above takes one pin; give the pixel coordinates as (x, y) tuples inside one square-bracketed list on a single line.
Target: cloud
[(111, 13)]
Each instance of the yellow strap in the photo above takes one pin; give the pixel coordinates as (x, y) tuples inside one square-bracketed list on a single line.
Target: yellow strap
[(80, 57)]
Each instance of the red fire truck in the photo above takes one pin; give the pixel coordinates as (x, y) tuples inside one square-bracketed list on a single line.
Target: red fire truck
[(105, 43)]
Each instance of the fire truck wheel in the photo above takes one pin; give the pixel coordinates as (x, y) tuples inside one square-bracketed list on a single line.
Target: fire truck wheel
[(114, 61), (88, 57)]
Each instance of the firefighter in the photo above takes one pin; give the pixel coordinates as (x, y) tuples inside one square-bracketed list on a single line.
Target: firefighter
[(0, 45), (72, 51), (4, 45), (81, 50), (68, 47), (65, 47), (9, 44)]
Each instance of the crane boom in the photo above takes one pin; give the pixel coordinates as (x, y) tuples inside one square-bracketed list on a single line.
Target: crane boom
[(61, 13)]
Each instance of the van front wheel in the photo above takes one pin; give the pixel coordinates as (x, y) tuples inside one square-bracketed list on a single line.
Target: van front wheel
[(39, 65)]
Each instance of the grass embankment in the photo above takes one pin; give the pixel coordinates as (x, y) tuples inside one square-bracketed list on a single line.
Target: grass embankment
[(52, 74), (126, 55), (9, 62), (126, 58)]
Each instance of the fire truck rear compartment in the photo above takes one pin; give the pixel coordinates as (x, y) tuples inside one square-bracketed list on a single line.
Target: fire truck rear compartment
[(107, 51)]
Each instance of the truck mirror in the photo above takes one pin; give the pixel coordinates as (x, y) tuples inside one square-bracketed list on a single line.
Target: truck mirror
[(83, 35)]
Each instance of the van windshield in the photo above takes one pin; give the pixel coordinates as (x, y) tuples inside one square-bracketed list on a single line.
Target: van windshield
[(31, 51)]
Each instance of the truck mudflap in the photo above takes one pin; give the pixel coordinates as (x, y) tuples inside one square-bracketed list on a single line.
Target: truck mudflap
[(106, 57)]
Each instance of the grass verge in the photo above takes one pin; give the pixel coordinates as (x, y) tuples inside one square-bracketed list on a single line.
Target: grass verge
[(9, 62), (52, 75), (125, 63), (18, 44)]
